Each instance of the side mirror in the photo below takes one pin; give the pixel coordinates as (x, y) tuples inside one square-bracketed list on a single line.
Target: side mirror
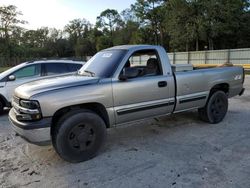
[(128, 73), (12, 78), (123, 77)]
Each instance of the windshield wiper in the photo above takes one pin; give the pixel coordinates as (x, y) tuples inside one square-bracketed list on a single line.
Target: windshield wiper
[(91, 73)]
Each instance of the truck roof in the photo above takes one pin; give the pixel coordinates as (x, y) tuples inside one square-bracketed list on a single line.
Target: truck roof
[(134, 47), (54, 61)]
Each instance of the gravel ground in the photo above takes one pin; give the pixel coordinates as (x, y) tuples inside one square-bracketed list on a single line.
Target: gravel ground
[(174, 151)]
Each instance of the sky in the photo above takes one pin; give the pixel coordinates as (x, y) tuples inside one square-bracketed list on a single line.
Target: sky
[(58, 13)]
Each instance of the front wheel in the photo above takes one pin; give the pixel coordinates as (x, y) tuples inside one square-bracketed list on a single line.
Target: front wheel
[(215, 109), (79, 135)]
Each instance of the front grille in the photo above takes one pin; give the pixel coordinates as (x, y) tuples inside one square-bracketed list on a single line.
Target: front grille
[(15, 104)]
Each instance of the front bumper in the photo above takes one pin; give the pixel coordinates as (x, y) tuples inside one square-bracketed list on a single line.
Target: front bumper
[(242, 91), (37, 132)]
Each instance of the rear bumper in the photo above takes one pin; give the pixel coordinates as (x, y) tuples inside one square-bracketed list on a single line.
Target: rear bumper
[(34, 132), (236, 89)]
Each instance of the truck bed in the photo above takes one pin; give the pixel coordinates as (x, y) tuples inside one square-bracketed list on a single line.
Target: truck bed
[(190, 67), (193, 86)]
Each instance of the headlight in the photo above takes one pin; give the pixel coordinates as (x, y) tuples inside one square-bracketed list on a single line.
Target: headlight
[(29, 104), (28, 110)]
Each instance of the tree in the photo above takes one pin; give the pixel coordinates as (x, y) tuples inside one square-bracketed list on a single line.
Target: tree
[(109, 20), (244, 32), (36, 38), (84, 47), (128, 15), (63, 48), (151, 15), (176, 24), (103, 42), (221, 22), (9, 20), (9, 24), (77, 28), (180, 24), (128, 31)]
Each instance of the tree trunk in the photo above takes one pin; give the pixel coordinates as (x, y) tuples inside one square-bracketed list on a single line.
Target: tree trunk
[(210, 44), (161, 37), (187, 47), (197, 44)]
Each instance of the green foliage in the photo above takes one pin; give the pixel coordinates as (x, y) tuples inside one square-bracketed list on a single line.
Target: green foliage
[(103, 42), (109, 19), (9, 20), (2, 69), (178, 25), (151, 14)]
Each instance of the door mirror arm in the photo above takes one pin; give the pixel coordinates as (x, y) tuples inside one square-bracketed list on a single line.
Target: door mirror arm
[(123, 77)]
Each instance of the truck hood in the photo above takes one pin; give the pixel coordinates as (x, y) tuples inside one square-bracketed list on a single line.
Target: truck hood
[(40, 86)]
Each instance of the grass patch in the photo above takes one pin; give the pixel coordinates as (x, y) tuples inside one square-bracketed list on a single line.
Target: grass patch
[(4, 69)]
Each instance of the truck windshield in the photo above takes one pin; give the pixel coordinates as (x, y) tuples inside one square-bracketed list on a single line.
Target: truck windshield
[(103, 64)]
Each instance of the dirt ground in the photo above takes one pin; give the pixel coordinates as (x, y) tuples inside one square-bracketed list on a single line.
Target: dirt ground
[(175, 151)]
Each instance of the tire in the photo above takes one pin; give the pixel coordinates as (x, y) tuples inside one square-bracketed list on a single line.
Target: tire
[(1, 107), (215, 109), (79, 135)]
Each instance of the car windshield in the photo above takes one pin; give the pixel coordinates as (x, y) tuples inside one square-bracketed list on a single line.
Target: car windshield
[(103, 64)]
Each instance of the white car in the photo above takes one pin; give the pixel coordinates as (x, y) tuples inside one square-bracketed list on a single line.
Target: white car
[(31, 71)]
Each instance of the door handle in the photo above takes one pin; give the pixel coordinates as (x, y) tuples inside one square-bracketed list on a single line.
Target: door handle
[(162, 84)]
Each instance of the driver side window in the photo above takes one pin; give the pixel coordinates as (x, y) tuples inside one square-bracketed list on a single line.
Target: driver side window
[(142, 63), (29, 71)]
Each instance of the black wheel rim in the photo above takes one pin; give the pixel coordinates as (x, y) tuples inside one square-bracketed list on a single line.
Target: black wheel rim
[(218, 108), (81, 137)]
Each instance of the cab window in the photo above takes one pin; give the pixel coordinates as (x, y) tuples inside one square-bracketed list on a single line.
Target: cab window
[(143, 63)]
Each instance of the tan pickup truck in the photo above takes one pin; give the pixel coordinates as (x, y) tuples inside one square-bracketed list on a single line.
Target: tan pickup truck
[(116, 86)]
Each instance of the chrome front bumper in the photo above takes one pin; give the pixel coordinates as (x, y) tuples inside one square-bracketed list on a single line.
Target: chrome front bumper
[(34, 132)]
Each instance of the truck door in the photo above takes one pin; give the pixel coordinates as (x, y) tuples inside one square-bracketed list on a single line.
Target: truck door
[(142, 90)]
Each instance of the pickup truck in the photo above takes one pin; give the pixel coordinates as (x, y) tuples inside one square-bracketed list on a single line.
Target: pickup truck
[(118, 85)]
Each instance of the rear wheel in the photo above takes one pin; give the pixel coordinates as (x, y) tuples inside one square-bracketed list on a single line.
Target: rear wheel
[(79, 135), (215, 109)]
